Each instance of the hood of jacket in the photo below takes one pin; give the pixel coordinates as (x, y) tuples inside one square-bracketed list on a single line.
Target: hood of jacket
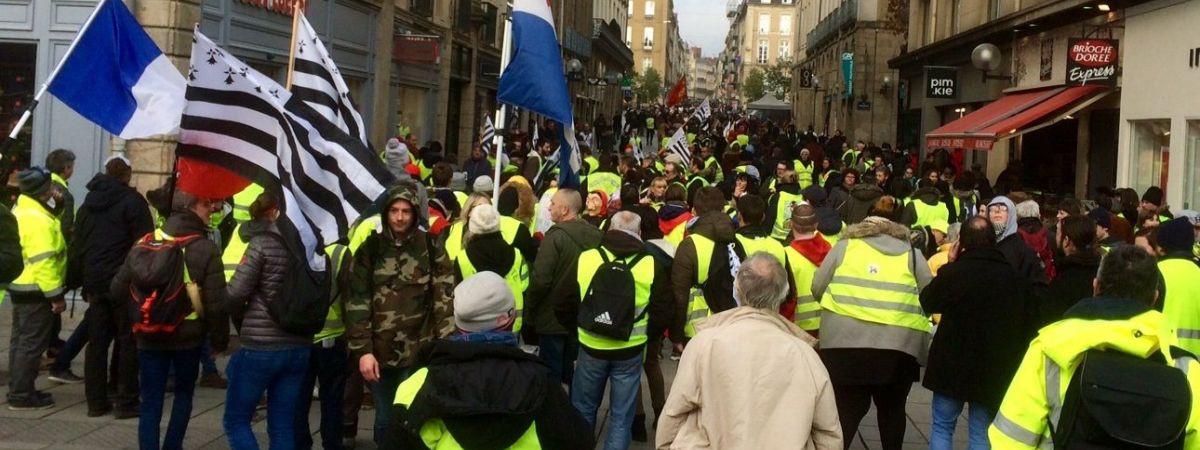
[(254, 228), (406, 191), (714, 225), (105, 192), (1010, 228), (761, 317), (489, 251), (884, 235), (928, 195), (670, 211), (1030, 224), (1126, 325), (621, 243), (866, 192)]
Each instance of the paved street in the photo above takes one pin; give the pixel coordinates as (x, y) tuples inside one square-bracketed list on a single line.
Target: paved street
[(68, 427)]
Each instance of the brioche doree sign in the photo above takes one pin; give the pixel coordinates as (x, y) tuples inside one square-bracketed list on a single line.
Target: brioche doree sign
[(1091, 62)]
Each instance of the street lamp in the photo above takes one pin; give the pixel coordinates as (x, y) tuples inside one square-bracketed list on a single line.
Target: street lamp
[(574, 69)]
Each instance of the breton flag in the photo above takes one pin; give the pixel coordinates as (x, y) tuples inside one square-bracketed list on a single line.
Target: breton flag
[(703, 113), (242, 121), (486, 135), (534, 79), (678, 146), (117, 78), (317, 81)]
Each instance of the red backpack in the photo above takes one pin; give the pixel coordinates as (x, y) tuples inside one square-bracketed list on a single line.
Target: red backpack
[(159, 282)]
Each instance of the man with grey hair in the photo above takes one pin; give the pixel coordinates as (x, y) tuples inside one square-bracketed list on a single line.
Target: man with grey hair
[(783, 397), (560, 247), (606, 279)]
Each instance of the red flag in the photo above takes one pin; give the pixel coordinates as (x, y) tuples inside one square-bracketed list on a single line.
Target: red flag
[(207, 180), (678, 93)]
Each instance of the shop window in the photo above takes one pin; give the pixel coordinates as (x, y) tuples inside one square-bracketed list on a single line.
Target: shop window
[(762, 52), (17, 70), (1191, 188), (1151, 150)]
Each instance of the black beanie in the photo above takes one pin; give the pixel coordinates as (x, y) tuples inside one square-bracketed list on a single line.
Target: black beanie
[(1154, 195), (508, 202)]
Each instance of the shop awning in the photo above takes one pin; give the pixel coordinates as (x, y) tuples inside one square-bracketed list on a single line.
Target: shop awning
[(1012, 115)]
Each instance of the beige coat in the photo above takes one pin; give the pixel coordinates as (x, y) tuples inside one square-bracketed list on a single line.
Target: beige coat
[(750, 380)]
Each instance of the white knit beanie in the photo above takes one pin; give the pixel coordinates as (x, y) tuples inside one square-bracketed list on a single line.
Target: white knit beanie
[(483, 302), (484, 219)]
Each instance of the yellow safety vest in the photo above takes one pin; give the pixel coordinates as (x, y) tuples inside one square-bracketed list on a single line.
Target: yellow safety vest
[(808, 309), (334, 326), (930, 214), (675, 237), (853, 161), (804, 174), (242, 201), (783, 214), (874, 287), (231, 258), (1180, 307), (593, 164), (365, 228), (1033, 404), (608, 182), (454, 244), (697, 304), (435, 434), (517, 279), (43, 250), (192, 291), (762, 244), (719, 176), (643, 276)]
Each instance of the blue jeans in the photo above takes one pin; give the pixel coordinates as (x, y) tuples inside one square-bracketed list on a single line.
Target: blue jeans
[(251, 372), (945, 415), (559, 351), (326, 368), (207, 361), (384, 394), (72, 347), (587, 391), (153, 367)]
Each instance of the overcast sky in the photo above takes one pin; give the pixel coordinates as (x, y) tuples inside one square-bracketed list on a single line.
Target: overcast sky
[(702, 24)]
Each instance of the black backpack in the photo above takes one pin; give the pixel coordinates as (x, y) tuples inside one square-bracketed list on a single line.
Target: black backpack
[(158, 284), (608, 307), (304, 298), (1117, 400)]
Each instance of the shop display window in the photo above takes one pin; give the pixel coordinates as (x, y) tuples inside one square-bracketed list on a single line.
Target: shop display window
[(1150, 147)]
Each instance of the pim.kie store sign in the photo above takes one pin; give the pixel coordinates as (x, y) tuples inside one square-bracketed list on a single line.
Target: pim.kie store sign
[(284, 7)]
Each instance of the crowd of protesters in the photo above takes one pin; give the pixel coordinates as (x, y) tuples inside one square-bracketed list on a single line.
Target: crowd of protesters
[(797, 278)]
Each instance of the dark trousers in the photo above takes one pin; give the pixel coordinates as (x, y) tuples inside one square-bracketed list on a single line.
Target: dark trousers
[(154, 365), (384, 394), (654, 378), (352, 399), (327, 369), (854, 401), (559, 352), (31, 325), (73, 346), (109, 323)]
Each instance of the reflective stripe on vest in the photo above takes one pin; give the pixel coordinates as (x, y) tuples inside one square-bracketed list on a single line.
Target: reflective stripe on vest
[(1180, 308), (643, 278), (697, 304), (517, 279), (808, 309), (783, 214), (874, 287)]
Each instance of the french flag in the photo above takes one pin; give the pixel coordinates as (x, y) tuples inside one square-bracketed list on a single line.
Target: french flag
[(117, 78), (534, 79)]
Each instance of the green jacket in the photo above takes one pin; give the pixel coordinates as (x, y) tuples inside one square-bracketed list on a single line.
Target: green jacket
[(560, 248)]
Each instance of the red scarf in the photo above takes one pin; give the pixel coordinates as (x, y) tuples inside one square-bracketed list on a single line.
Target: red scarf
[(813, 249)]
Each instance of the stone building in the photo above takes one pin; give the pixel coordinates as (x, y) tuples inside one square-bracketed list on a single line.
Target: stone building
[(761, 34), (703, 77), (653, 35)]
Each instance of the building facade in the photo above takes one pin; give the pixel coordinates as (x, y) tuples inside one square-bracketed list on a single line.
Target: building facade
[(843, 83), (703, 77), (653, 36), (761, 34), (1060, 130)]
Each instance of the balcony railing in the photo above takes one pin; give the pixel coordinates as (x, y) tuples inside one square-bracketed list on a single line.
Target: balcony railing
[(829, 27)]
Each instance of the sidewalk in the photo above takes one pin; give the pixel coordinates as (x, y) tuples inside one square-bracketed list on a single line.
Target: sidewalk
[(67, 426)]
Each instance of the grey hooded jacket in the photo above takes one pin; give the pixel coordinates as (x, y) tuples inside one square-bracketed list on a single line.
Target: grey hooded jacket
[(1018, 254)]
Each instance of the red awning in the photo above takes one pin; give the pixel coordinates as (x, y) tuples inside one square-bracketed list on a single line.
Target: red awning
[(1011, 115)]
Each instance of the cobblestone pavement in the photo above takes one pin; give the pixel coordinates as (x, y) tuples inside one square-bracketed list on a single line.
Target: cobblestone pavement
[(67, 426)]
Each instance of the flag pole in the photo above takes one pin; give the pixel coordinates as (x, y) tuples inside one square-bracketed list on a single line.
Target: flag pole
[(292, 48), (502, 114)]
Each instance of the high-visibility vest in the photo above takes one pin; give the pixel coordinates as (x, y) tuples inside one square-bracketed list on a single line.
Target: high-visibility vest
[(752, 245), (232, 256), (696, 179), (242, 201), (593, 164), (804, 173), (853, 158), (454, 244), (719, 176), (608, 182), (334, 326), (930, 214), (461, 197), (874, 287), (424, 171), (697, 305), (434, 433), (1182, 280), (161, 235), (1033, 404), (643, 276), (517, 279), (675, 237), (43, 250), (365, 228), (783, 214), (808, 309)]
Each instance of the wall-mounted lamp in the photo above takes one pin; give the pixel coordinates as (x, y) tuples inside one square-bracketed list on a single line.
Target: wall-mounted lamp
[(885, 86)]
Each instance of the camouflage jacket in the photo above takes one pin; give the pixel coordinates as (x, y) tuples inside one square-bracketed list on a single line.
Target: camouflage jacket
[(394, 302)]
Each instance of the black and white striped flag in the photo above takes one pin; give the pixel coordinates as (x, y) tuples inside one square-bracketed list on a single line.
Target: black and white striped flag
[(318, 82), (486, 136), (703, 112), (242, 121), (678, 146)]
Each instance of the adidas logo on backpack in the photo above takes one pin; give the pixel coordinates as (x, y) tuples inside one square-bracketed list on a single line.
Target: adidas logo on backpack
[(604, 319)]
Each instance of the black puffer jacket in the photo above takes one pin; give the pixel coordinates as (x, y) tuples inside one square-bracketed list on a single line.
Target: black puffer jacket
[(113, 217), (858, 205), (488, 252), (256, 283), (10, 247)]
